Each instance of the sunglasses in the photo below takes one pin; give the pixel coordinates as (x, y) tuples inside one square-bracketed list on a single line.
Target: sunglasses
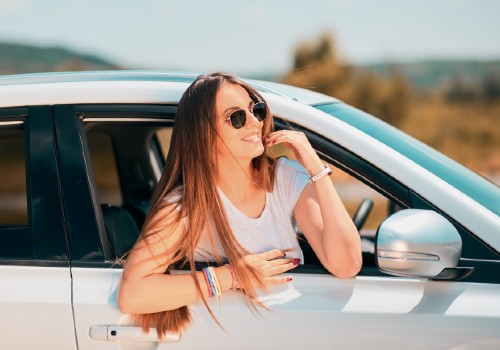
[(238, 118)]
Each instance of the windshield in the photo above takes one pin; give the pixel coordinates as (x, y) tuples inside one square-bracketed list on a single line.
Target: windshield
[(465, 180)]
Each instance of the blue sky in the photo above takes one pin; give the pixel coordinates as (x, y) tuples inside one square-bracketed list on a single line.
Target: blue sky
[(252, 37)]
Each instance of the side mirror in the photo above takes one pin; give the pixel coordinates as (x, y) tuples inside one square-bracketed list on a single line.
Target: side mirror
[(419, 243)]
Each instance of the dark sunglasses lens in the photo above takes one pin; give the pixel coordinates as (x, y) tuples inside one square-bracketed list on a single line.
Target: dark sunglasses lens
[(238, 119), (259, 111)]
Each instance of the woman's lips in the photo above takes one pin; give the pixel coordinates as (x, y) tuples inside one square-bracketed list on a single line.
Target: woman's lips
[(252, 138)]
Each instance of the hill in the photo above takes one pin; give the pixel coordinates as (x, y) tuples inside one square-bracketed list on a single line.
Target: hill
[(438, 73), (17, 58)]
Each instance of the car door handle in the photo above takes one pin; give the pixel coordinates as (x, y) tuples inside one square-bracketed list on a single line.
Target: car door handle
[(130, 333)]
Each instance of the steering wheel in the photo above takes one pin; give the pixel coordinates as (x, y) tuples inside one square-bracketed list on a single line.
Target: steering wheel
[(362, 212)]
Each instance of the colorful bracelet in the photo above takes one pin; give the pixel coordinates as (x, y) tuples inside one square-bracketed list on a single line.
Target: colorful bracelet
[(215, 281), (205, 275), (211, 291), (212, 278), (213, 285)]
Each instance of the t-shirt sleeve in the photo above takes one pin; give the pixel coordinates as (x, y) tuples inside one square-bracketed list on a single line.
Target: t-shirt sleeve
[(292, 179), (175, 197)]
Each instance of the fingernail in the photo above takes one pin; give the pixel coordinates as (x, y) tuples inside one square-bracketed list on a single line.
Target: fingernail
[(296, 261), (289, 279)]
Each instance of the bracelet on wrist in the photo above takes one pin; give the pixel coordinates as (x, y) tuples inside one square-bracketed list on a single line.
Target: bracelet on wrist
[(234, 281), (324, 172), (212, 281)]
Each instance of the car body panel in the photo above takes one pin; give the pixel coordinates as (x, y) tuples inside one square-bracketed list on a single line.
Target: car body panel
[(35, 308), (328, 311)]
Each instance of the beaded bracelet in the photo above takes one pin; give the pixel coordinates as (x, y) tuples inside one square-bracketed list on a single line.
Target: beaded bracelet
[(214, 289), (205, 275), (215, 281), (233, 275)]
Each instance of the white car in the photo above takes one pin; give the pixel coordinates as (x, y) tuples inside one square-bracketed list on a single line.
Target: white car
[(80, 154)]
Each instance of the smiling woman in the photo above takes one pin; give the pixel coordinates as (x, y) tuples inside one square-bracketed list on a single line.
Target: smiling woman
[(223, 201)]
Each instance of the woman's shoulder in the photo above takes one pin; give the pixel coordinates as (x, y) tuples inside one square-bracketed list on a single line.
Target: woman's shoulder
[(285, 164), (291, 179), (174, 196)]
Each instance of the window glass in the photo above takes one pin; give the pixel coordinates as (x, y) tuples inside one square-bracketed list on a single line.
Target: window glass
[(104, 167), (164, 135), (353, 192), (13, 198)]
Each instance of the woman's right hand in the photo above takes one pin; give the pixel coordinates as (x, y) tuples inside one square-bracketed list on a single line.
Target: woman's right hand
[(272, 263)]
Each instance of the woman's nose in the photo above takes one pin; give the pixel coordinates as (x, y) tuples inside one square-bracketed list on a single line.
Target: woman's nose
[(251, 119)]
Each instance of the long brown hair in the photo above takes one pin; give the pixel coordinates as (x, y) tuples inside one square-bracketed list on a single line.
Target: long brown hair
[(190, 169)]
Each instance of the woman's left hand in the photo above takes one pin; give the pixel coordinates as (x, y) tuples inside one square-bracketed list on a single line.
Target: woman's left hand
[(299, 144)]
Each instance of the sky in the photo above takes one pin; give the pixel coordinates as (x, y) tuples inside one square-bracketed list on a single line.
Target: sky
[(254, 37)]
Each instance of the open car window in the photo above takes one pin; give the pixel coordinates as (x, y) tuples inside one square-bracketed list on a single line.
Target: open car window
[(127, 156), (357, 197)]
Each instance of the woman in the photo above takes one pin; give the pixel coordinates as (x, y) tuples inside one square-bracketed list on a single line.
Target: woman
[(222, 199)]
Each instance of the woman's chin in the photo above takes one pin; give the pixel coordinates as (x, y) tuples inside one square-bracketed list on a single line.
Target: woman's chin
[(258, 151)]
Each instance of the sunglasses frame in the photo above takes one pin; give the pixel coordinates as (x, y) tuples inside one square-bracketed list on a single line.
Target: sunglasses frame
[(233, 113)]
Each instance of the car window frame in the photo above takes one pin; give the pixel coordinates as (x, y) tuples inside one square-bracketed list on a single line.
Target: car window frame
[(44, 237), (70, 119)]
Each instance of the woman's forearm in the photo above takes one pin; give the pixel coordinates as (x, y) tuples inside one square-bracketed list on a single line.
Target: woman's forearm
[(341, 241), (340, 238), (161, 292)]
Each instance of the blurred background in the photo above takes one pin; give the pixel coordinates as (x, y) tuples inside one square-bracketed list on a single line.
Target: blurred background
[(428, 67)]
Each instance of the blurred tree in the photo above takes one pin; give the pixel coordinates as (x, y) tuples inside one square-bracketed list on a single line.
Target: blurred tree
[(461, 89), (318, 66), (491, 87), (395, 103)]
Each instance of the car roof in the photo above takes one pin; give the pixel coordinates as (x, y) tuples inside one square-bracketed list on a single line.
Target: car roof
[(296, 93)]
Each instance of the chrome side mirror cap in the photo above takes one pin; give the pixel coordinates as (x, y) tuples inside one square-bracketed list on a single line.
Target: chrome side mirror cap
[(418, 243)]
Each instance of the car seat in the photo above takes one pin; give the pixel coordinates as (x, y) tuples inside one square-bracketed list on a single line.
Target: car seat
[(121, 229)]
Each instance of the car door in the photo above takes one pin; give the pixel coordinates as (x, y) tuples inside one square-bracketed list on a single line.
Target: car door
[(316, 309), (35, 280)]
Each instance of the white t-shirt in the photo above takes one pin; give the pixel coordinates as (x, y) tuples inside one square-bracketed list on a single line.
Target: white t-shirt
[(275, 227)]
